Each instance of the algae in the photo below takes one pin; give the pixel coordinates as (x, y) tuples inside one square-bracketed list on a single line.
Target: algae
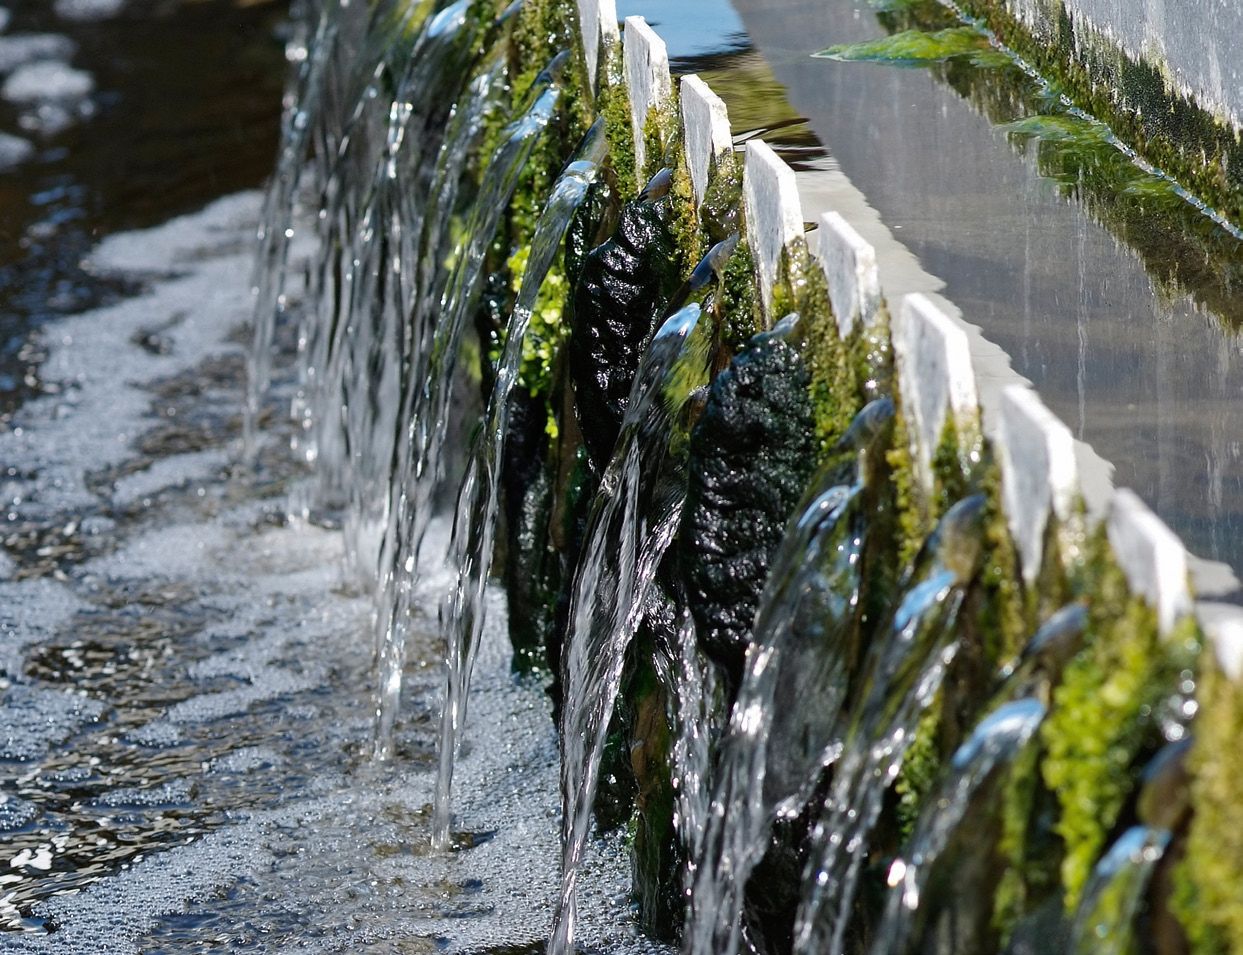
[(918, 48), (1105, 714), (1206, 895)]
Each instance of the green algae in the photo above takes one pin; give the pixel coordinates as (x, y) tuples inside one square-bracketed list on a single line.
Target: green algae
[(546, 333), (919, 48), (1104, 714), (1136, 97), (1206, 896), (920, 770), (613, 104)]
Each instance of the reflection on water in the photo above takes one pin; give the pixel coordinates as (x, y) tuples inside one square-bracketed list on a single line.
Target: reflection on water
[(1110, 291), (183, 107)]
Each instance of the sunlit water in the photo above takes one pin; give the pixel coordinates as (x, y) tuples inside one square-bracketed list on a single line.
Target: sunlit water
[(187, 678)]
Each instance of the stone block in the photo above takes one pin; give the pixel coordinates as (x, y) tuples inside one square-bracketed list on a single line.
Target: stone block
[(1038, 472), (597, 19), (649, 82), (1223, 627), (935, 379), (1151, 556), (705, 130), (774, 216), (849, 264)]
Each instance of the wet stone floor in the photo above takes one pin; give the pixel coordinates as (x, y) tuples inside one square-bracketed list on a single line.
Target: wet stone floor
[(185, 681)]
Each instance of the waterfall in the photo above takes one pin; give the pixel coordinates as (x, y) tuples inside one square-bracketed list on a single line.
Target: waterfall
[(801, 645), (428, 391), (900, 678), (631, 524), (474, 524), (799, 664)]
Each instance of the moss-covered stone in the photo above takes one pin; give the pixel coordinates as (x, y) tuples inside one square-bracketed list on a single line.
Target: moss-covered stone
[(624, 286), (1104, 717), (1207, 898), (750, 457)]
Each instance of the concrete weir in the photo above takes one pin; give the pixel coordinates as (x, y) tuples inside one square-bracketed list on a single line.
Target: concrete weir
[(939, 358)]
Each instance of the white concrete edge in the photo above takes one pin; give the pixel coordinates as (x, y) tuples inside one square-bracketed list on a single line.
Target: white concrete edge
[(597, 22), (935, 378), (648, 80), (1151, 555), (705, 131), (1036, 454), (1223, 626), (849, 263), (773, 214)]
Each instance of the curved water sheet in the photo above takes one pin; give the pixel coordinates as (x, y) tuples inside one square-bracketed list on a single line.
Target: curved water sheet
[(373, 200), (429, 389), (805, 633), (474, 523), (631, 524), (899, 680), (929, 859), (191, 685), (1114, 897), (335, 62)]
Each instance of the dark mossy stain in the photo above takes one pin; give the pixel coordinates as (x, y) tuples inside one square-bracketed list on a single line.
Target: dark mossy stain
[(530, 571), (750, 457), (624, 285), (656, 854)]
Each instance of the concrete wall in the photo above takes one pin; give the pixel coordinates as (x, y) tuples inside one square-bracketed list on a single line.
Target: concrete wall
[(1195, 46), (936, 375)]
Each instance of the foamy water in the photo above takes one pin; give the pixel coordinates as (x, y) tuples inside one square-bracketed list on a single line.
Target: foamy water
[(186, 681)]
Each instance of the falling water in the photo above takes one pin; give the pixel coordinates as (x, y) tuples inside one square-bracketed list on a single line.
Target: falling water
[(632, 523), (933, 884), (695, 706), (362, 284), (1105, 922), (996, 742), (801, 650), (428, 391), (900, 679), (324, 102), (474, 525)]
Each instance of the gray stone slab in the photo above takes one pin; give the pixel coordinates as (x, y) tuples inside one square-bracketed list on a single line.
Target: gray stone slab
[(1036, 452), (935, 378), (849, 264), (597, 19), (774, 215), (1151, 555), (649, 82), (705, 129)]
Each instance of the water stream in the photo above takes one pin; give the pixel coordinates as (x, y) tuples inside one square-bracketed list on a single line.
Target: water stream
[(474, 524), (900, 677), (631, 526), (200, 750)]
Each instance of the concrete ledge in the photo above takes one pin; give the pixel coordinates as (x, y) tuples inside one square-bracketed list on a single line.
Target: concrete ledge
[(935, 379), (849, 264), (647, 76), (773, 213), (1151, 555), (1223, 626), (705, 130), (1038, 473), (597, 19)]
